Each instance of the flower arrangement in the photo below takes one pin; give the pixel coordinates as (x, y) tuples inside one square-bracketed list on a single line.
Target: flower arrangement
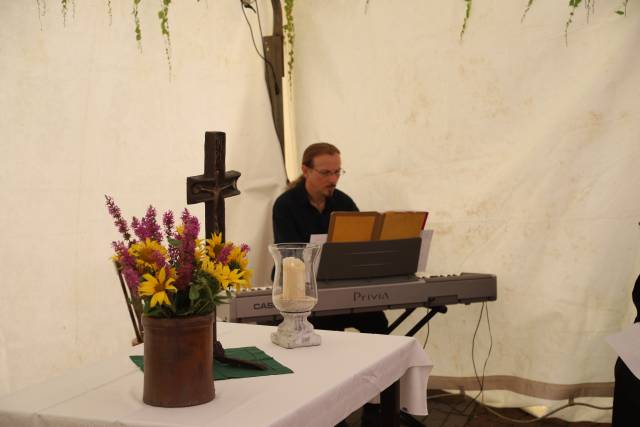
[(186, 276)]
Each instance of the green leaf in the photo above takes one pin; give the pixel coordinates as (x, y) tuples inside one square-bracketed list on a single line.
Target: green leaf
[(174, 242), (194, 293), (620, 12), (156, 311)]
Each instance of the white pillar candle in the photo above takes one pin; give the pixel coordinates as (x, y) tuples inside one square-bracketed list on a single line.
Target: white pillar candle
[(293, 279)]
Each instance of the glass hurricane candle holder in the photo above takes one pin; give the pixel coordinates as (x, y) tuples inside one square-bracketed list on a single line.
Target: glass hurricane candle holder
[(295, 293)]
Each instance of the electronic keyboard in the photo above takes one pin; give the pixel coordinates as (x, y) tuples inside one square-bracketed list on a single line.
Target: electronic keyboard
[(362, 295)]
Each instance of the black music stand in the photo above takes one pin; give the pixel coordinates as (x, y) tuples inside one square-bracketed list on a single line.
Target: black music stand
[(378, 258)]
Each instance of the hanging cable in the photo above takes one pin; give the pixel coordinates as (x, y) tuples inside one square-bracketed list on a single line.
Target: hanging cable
[(426, 339), (245, 4), (481, 380)]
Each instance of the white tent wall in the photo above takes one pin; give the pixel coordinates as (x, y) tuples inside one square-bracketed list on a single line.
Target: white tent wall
[(523, 148), (84, 113)]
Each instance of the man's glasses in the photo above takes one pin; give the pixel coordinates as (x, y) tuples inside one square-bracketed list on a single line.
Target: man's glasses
[(327, 173)]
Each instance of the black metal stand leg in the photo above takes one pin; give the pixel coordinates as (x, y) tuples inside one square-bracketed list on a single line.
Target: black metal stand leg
[(390, 405), (400, 319), (425, 319)]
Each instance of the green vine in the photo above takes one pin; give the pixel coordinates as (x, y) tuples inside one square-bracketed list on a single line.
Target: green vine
[(290, 33), (136, 20), (467, 13), (65, 4), (42, 10), (164, 27), (524, 14), (573, 4), (289, 27), (623, 8)]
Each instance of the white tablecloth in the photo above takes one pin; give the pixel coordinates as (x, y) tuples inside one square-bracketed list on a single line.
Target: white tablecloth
[(329, 382)]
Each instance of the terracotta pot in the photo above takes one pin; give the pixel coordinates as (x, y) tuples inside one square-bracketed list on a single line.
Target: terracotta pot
[(178, 361)]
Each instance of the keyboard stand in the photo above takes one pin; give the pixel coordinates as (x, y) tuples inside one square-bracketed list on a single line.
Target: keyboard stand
[(407, 312)]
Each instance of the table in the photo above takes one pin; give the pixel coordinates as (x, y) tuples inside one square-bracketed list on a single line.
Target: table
[(329, 382)]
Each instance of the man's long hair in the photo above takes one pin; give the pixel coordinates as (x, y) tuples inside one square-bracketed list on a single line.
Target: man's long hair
[(313, 151)]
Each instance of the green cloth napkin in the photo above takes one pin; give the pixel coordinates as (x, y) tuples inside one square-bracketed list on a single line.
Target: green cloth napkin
[(222, 371)]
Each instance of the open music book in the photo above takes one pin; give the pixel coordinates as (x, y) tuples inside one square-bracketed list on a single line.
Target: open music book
[(367, 226)]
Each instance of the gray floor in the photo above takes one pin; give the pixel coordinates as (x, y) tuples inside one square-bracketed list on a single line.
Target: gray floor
[(461, 411)]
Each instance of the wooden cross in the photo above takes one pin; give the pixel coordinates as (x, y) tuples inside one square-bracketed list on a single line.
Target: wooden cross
[(214, 185)]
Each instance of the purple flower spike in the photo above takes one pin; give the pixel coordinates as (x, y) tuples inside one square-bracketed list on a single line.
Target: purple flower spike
[(127, 265), (186, 255), (120, 222), (168, 222), (224, 253), (245, 248), (152, 229), (158, 259), (147, 227), (135, 224), (131, 278)]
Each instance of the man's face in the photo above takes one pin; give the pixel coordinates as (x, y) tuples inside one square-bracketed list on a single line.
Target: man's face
[(323, 177)]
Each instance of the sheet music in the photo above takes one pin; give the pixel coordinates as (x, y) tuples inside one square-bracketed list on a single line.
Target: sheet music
[(627, 344), (318, 238)]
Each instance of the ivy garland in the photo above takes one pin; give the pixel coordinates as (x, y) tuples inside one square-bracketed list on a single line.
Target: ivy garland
[(64, 11), (573, 5), (623, 8), (42, 10), (164, 27), (290, 33), (163, 16), (526, 10), (289, 27), (467, 13), (136, 21)]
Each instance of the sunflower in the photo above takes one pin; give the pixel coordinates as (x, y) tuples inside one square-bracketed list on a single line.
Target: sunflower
[(200, 253), (237, 277), (224, 275), (237, 259), (147, 254), (238, 256), (157, 287), (248, 274), (214, 244)]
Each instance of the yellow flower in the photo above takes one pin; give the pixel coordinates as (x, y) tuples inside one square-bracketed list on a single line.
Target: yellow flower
[(200, 253), (209, 266), (224, 275), (215, 240), (214, 244), (236, 277), (237, 255), (221, 273), (145, 254), (157, 287), (248, 274)]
